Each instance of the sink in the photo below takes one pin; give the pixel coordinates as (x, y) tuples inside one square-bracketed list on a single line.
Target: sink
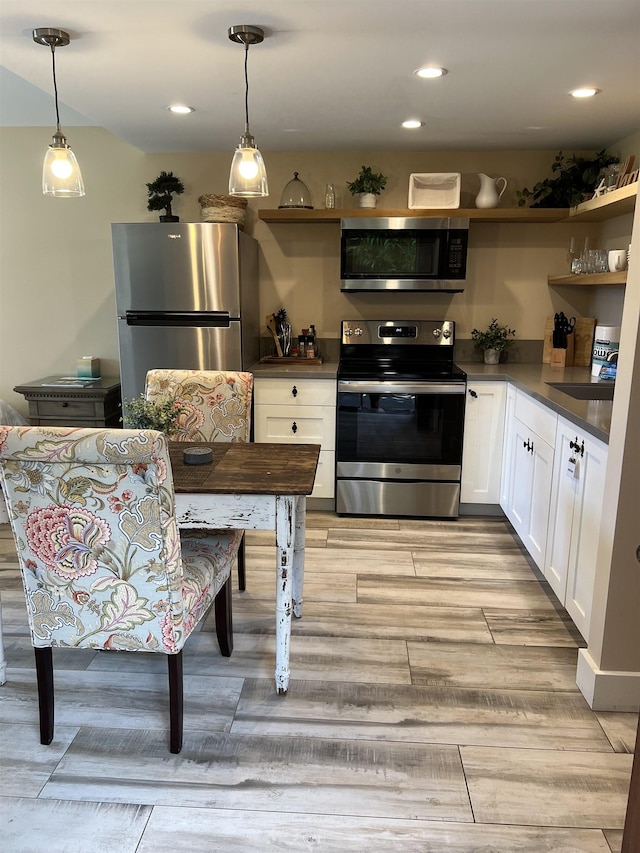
[(585, 390)]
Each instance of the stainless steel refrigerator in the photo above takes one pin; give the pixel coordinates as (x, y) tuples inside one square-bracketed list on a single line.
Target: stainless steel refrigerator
[(186, 297)]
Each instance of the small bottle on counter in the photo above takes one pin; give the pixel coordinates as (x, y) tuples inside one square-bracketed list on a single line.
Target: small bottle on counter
[(310, 349), (302, 344)]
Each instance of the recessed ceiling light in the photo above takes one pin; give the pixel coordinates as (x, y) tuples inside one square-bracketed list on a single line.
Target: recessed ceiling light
[(412, 123), (181, 109), (584, 92), (430, 72)]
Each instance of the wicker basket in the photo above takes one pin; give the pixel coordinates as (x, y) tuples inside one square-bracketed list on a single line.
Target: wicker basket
[(223, 208)]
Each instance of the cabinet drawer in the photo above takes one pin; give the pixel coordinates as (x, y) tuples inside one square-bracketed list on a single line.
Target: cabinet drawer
[(536, 417), (302, 425), (295, 392), (65, 409)]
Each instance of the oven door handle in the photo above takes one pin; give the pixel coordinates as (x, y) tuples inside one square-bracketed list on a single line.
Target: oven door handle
[(422, 388)]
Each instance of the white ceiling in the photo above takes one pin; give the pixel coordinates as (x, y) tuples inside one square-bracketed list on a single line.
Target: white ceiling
[(331, 74)]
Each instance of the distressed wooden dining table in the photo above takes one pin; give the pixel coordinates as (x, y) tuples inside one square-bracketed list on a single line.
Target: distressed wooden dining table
[(254, 487)]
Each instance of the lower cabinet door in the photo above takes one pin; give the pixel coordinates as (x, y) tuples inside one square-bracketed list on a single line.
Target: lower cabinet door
[(574, 523), (529, 490), (563, 498), (592, 467), (483, 434)]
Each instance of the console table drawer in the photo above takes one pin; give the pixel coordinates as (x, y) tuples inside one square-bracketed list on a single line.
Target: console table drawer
[(64, 409)]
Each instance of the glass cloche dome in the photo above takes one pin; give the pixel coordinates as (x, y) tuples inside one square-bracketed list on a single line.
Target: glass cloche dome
[(296, 194)]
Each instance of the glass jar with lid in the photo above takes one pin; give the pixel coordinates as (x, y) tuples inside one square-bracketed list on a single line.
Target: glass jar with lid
[(296, 195)]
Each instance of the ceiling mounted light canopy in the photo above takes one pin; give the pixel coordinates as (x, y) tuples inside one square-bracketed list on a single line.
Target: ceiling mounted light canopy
[(61, 176), (248, 176)]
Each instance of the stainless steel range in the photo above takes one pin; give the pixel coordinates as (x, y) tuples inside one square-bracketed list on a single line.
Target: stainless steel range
[(400, 419)]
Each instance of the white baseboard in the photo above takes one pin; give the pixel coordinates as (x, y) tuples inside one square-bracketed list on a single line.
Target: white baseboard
[(607, 690)]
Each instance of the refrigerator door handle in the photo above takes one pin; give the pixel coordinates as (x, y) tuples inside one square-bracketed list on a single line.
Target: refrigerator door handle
[(216, 319)]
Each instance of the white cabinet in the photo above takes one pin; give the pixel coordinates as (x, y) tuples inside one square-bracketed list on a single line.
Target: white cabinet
[(483, 438), (527, 472), (574, 524), (301, 411)]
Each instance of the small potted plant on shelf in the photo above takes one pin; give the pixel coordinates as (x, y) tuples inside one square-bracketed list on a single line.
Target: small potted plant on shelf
[(163, 415), (492, 341), (367, 185), (161, 192)]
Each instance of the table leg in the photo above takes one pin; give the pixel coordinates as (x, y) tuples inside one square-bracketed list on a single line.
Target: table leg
[(3, 661), (298, 555), (285, 532)]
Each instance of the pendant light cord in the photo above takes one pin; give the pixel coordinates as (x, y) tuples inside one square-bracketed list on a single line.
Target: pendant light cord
[(246, 86), (55, 86)]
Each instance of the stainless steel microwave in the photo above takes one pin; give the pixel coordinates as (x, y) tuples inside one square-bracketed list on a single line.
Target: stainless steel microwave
[(403, 253)]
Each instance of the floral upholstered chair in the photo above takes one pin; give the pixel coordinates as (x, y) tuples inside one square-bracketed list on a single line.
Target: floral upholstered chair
[(102, 561), (217, 407)]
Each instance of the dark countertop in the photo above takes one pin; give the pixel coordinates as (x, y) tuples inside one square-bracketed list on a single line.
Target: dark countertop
[(326, 370), (592, 416)]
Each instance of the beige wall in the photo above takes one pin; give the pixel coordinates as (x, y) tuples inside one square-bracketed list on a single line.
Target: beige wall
[(56, 279)]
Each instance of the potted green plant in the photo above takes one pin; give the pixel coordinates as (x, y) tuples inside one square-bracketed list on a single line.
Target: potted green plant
[(161, 192), (162, 415), (575, 180), (367, 185), (492, 341)]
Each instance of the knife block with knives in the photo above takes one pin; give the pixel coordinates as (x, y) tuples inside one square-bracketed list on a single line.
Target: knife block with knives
[(579, 344)]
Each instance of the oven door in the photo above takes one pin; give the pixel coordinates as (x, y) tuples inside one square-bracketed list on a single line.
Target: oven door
[(399, 447)]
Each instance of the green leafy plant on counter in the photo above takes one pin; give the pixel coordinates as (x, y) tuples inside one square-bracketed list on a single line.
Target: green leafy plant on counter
[(494, 337), (575, 180), (367, 181), (161, 192), (141, 413)]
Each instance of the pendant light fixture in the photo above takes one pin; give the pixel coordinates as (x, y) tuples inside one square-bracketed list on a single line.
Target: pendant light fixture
[(248, 176), (61, 176)]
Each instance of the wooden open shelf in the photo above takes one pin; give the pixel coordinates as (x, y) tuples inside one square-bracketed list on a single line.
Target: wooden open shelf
[(598, 278), (615, 203), (496, 214)]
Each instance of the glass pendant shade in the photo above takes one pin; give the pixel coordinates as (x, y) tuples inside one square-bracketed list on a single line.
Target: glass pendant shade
[(61, 176), (296, 195), (248, 175)]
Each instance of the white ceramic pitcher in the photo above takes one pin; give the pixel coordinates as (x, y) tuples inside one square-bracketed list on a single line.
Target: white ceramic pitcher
[(489, 195)]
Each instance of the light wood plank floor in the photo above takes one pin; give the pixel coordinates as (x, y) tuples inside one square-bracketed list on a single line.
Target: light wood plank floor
[(432, 708)]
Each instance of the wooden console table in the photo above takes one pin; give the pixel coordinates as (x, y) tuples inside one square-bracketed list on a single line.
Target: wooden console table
[(66, 401)]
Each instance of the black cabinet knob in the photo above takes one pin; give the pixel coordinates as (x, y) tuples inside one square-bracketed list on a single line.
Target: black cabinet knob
[(472, 393), (294, 391), (294, 427)]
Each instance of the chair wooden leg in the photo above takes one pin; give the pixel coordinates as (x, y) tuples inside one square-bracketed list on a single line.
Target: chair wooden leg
[(224, 619), (44, 675), (176, 704), (242, 578)]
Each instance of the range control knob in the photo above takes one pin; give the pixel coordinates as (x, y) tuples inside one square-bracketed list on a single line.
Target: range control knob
[(348, 333), (436, 333), (358, 331), (446, 333)]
